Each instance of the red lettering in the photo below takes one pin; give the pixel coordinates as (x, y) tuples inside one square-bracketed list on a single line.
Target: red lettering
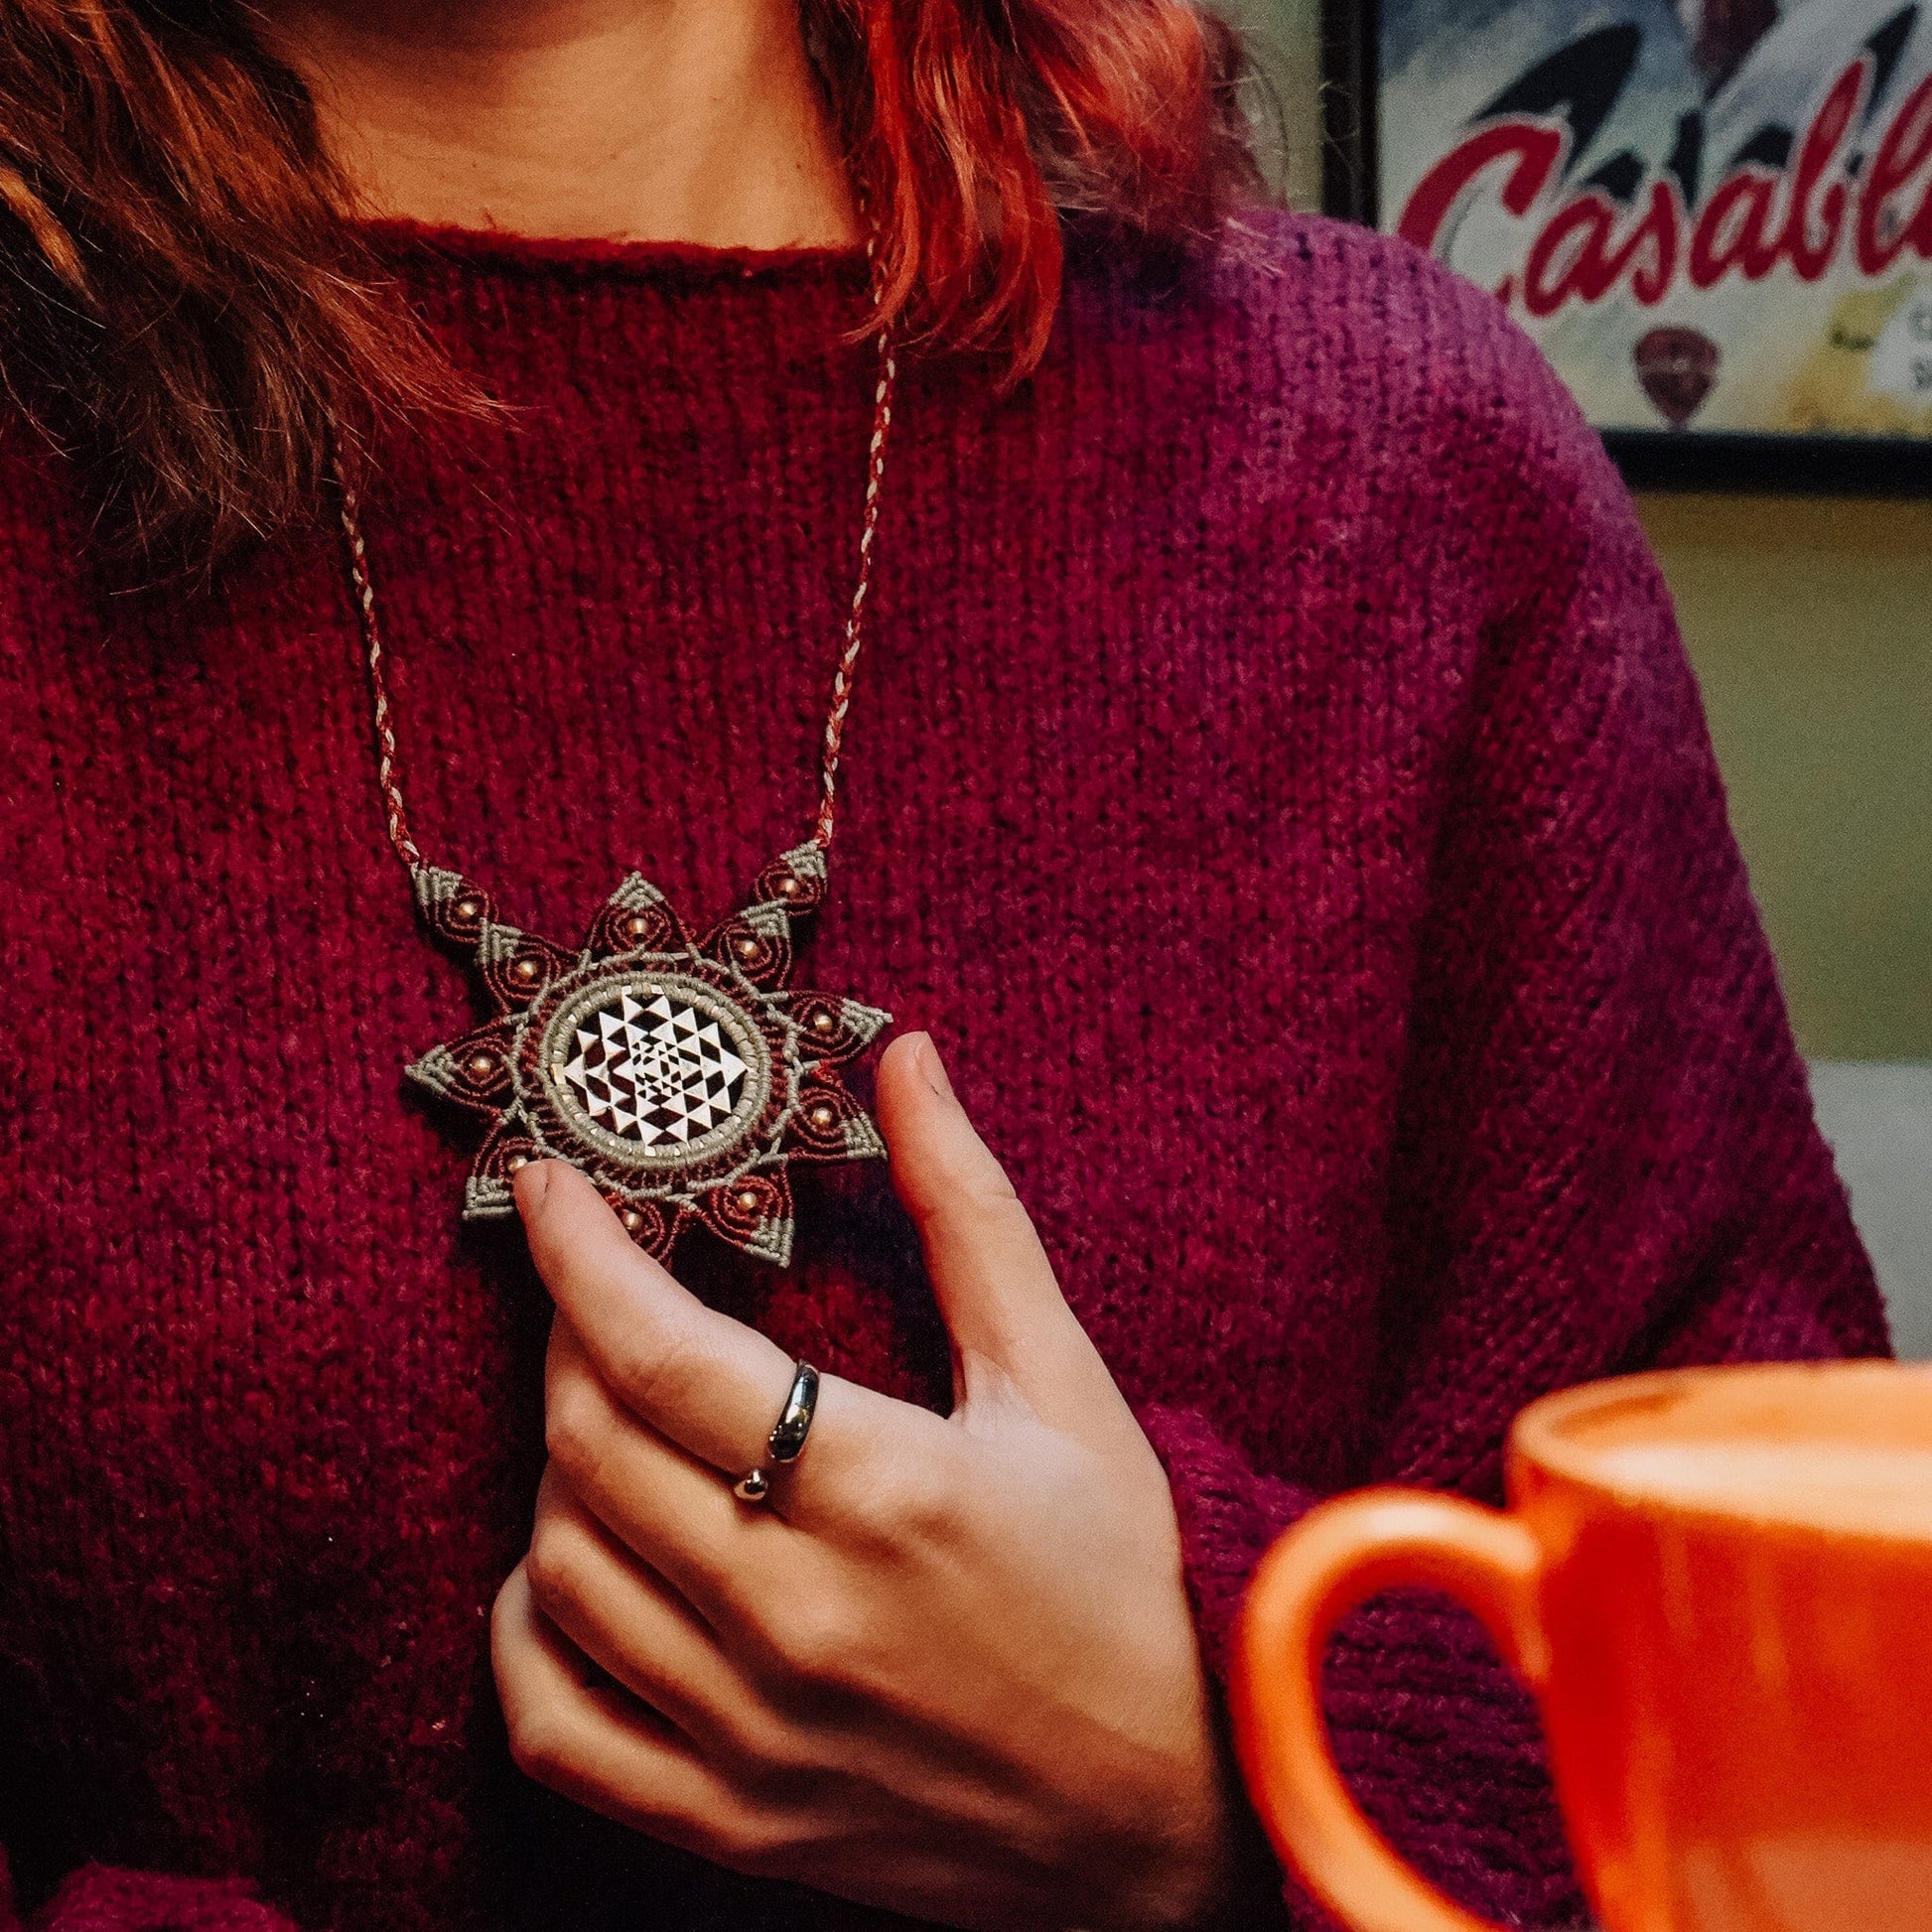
[(1754, 220), (1884, 233), (1532, 148), (1652, 244), (1733, 230), (1811, 254), (1573, 258), (1562, 257)]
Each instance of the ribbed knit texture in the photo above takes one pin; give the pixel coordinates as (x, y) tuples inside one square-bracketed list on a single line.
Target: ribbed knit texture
[(1276, 781)]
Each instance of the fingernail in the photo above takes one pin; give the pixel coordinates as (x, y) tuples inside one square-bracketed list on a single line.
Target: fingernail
[(934, 1069), (530, 1183)]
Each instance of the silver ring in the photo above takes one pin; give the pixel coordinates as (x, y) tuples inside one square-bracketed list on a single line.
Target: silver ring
[(787, 1442)]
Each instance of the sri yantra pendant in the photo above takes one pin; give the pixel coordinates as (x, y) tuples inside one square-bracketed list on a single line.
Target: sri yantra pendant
[(683, 1078)]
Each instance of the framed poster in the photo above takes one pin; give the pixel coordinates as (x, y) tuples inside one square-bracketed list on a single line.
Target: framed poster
[(1714, 216)]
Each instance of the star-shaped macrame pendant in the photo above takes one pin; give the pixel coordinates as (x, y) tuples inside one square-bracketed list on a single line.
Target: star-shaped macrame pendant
[(683, 1077)]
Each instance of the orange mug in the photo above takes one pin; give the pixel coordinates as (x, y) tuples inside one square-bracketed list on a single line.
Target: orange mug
[(1718, 1584)]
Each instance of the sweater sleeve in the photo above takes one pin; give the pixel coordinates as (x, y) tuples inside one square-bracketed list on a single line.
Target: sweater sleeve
[(1605, 1157), (101, 1898)]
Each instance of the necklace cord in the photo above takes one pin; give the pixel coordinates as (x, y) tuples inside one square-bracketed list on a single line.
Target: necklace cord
[(375, 652), (396, 814), (854, 623)]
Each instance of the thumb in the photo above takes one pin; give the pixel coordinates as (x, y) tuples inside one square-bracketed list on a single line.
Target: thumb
[(1011, 1328)]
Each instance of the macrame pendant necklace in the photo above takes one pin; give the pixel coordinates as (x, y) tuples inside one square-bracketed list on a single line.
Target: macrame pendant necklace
[(683, 1074)]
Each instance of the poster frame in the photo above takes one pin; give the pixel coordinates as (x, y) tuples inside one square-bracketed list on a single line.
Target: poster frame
[(1687, 459)]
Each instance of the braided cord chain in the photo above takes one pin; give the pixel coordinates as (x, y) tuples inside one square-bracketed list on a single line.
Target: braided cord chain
[(855, 623), (376, 655), (386, 731)]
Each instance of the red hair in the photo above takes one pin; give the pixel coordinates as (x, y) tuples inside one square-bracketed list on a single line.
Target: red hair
[(185, 306), (984, 125)]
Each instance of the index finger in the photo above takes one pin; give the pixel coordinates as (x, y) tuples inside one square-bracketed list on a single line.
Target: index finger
[(710, 1384)]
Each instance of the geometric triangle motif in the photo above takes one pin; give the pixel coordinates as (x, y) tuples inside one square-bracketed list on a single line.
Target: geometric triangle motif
[(656, 1072)]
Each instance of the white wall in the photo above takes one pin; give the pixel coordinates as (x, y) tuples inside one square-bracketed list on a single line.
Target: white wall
[(1878, 1120)]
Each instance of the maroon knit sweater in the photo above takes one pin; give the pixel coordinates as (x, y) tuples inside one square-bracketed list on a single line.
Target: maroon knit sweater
[(1275, 778)]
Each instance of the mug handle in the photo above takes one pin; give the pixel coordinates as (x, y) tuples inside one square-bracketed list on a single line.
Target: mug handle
[(1340, 1554)]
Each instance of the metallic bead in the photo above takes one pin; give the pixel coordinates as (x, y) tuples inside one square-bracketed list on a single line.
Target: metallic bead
[(482, 1068), (517, 1163), (636, 927), (528, 970), (746, 948), (823, 1022), (632, 1220), (822, 1116), (753, 1486), (790, 886), (468, 910), (745, 1200)]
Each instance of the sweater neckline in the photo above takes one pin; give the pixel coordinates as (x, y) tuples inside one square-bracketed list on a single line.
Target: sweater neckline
[(400, 242)]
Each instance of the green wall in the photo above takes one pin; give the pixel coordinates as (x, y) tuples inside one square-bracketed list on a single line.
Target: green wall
[(1810, 623)]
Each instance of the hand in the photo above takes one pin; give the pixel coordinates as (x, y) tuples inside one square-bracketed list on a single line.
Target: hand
[(947, 1668)]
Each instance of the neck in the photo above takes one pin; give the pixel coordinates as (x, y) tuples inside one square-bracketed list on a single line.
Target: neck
[(650, 120)]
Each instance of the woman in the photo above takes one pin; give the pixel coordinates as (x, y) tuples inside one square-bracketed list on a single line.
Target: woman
[(1271, 778)]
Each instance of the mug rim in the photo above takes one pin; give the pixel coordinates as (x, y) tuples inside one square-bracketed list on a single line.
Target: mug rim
[(1543, 1435)]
